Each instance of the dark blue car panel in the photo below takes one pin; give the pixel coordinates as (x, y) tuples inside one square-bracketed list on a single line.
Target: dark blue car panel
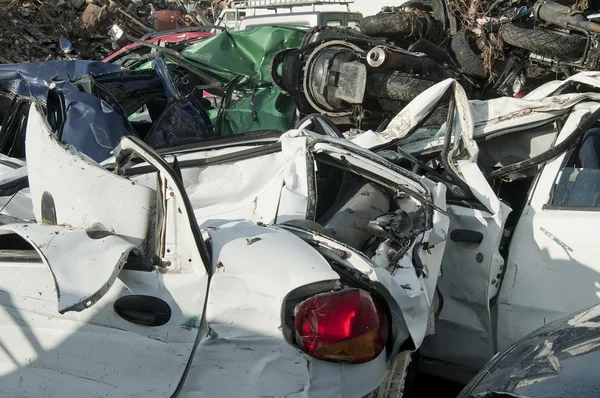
[(89, 104)]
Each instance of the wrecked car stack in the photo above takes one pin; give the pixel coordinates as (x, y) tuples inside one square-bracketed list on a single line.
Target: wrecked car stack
[(173, 247), (93, 110), (326, 221), (293, 212)]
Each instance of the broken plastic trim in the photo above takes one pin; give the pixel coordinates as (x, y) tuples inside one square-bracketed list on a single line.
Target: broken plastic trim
[(257, 138), (12, 187)]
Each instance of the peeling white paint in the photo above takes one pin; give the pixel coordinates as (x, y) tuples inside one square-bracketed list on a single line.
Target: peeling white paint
[(584, 319), (582, 348), (547, 352)]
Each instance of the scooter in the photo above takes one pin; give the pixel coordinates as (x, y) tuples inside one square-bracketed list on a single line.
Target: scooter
[(354, 79)]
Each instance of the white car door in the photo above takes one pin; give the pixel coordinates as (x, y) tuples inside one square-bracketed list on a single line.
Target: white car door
[(472, 266), (553, 267), (471, 262)]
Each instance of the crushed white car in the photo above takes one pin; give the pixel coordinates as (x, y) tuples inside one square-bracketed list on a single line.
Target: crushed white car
[(194, 271), (522, 207)]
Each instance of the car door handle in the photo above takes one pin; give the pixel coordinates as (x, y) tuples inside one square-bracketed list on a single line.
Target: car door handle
[(465, 235)]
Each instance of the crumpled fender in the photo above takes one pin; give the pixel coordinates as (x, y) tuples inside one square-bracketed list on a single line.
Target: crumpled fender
[(83, 273), (245, 352)]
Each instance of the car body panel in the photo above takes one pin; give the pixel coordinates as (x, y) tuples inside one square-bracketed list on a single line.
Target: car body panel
[(552, 247), (239, 62), (472, 268), (245, 53), (252, 267), (557, 359), (244, 306), (90, 352), (271, 188), (303, 19), (244, 315), (276, 186), (470, 279), (64, 187), (414, 296), (99, 259)]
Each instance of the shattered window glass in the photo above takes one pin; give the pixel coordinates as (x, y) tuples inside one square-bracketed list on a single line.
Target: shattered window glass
[(577, 187), (426, 134)]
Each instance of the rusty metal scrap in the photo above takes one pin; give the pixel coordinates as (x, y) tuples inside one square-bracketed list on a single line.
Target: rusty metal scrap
[(31, 31)]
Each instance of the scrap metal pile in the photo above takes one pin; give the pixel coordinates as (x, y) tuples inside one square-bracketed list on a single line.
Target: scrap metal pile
[(270, 78), (32, 31), (283, 211)]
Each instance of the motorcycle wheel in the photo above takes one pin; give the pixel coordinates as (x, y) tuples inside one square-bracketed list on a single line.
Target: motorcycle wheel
[(543, 41), (396, 87), (466, 53), (401, 24)]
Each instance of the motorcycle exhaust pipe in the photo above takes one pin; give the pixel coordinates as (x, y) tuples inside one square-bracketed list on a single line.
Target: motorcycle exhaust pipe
[(563, 16), (381, 57), (386, 58)]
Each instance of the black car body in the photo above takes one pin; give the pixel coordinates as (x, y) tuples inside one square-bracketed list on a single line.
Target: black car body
[(558, 360)]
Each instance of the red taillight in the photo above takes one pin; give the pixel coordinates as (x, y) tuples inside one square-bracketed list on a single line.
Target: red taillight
[(342, 326), (521, 93)]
